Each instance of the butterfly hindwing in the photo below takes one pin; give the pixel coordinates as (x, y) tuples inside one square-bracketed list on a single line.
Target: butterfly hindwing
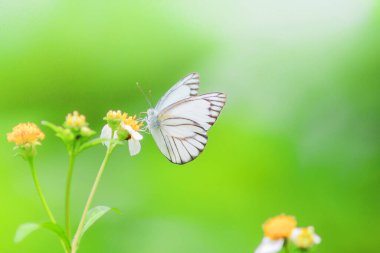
[(180, 143)]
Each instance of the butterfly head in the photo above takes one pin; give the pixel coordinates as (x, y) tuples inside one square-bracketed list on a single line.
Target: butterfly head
[(152, 119), (151, 112)]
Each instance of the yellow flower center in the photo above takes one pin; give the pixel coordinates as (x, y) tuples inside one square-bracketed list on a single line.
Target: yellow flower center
[(75, 120), (124, 118), (131, 121), (25, 133), (279, 227), (305, 239)]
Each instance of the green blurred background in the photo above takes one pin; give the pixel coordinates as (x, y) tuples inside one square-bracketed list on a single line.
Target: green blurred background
[(299, 134)]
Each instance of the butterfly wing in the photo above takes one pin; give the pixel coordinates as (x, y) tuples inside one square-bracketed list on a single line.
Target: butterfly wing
[(182, 132), (180, 144), (186, 87)]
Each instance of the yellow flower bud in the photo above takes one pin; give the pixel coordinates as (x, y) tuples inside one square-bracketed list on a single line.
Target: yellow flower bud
[(26, 134), (75, 120), (279, 227)]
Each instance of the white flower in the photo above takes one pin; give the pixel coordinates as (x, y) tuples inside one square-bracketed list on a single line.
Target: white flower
[(268, 245), (106, 134), (134, 138), (125, 128), (305, 238)]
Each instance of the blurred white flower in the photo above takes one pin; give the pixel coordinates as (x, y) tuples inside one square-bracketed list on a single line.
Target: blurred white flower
[(305, 238), (268, 245), (276, 231)]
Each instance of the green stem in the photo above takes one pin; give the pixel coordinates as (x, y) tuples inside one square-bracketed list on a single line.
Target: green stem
[(286, 246), (68, 193), (78, 233), (40, 194), (42, 197)]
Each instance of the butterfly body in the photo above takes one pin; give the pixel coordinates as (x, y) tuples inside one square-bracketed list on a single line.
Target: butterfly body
[(181, 119)]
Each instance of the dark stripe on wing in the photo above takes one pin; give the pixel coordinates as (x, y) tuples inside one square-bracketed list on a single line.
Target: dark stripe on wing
[(167, 146), (176, 148)]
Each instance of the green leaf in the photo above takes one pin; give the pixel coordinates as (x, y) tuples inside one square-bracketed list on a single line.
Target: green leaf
[(58, 230), (95, 142), (95, 214), (26, 229), (53, 127), (91, 143), (63, 133)]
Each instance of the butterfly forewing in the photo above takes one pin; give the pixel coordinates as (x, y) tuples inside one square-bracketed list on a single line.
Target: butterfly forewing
[(203, 110), (184, 88)]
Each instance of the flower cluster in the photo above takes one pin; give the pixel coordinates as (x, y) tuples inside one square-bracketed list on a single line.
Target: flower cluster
[(75, 134), (78, 125), (280, 229), (122, 127)]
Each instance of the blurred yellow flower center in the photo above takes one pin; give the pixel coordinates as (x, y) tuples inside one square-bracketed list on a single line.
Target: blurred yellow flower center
[(25, 133), (75, 120), (305, 239), (279, 227)]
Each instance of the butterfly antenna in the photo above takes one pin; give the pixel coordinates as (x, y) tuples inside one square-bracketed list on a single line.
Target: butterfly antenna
[(150, 94), (144, 94)]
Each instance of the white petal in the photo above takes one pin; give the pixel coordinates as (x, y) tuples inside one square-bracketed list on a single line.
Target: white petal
[(134, 146), (106, 134), (270, 246), (295, 233), (135, 135), (317, 239)]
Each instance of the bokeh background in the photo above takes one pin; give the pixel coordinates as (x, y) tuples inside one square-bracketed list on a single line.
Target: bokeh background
[(299, 134)]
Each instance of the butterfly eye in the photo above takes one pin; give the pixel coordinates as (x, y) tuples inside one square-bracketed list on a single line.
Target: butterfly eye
[(150, 112)]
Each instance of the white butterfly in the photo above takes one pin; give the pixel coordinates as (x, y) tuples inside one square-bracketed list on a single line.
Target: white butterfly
[(181, 119)]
